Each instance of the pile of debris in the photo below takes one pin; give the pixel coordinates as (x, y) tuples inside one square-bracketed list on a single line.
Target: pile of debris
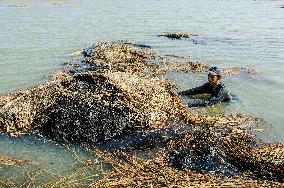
[(194, 37), (206, 155), (117, 92), (211, 148), (115, 95), (131, 171), (113, 90)]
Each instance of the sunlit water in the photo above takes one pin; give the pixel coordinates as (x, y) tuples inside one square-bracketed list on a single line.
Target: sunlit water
[(36, 39)]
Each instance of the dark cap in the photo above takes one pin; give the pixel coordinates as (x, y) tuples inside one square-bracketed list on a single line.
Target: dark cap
[(214, 71)]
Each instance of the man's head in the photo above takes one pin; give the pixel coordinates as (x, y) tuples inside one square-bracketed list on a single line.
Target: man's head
[(214, 76)]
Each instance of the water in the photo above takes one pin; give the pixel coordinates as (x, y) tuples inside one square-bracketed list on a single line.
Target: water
[(46, 161), (35, 41)]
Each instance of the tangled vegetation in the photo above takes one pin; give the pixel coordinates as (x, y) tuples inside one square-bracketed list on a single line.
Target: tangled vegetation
[(116, 89), (131, 171)]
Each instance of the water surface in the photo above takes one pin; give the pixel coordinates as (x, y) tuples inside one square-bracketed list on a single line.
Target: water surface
[(37, 36)]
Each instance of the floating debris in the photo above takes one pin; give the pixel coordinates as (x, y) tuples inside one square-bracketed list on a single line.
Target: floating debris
[(25, 173), (6, 161), (237, 70), (59, 2), (194, 37), (20, 6), (179, 35)]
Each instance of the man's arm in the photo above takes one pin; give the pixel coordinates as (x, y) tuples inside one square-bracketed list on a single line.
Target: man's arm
[(198, 90), (223, 96)]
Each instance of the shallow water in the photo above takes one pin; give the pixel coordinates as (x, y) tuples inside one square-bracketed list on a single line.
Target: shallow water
[(45, 160), (35, 40)]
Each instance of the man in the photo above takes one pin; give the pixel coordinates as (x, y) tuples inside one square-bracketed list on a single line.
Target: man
[(214, 87)]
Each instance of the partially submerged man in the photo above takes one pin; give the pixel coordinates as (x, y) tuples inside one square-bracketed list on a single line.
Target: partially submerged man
[(214, 87)]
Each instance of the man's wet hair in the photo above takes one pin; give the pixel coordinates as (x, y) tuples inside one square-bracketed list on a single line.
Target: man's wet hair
[(215, 71)]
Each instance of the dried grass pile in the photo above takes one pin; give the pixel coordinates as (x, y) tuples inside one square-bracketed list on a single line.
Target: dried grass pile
[(254, 165), (267, 161)]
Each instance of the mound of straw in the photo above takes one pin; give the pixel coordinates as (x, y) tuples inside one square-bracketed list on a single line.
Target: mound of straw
[(258, 165)]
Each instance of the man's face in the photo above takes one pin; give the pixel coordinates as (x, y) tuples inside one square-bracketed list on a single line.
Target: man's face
[(213, 79)]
